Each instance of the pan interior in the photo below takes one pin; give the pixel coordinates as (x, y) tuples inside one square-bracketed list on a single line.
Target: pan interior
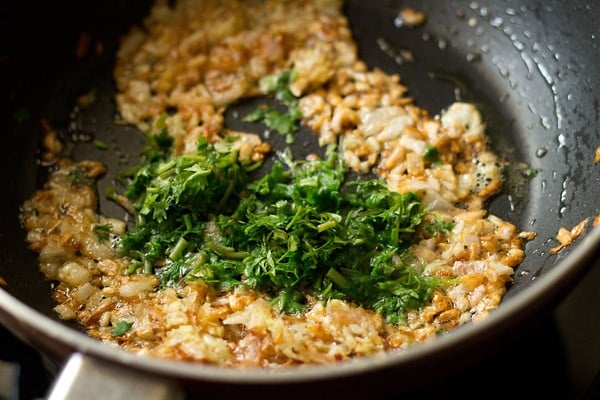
[(487, 55)]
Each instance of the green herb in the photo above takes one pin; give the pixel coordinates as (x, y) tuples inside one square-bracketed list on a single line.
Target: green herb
[(432, 154), (100, 145), (307, 231), (288, 300), (79, 177), (121, 327), (157, 148), (531, 172), (102, 232), (299, 230), (174, 199), (173, 273), (285, 123), (279, 84), (438, 226)]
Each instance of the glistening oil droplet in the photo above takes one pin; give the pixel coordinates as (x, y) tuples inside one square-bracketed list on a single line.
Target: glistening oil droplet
[(473, 57), (442, 44), (541, 152)]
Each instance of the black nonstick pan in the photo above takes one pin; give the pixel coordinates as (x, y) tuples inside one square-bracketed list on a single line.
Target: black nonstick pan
[(531, 67)]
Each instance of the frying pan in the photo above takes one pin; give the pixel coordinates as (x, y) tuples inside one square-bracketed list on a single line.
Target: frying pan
[(530, 67)]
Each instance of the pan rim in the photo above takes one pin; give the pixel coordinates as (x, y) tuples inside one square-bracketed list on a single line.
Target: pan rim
[(513, 312)]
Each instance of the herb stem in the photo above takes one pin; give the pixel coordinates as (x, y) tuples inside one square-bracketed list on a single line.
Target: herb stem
[(227, 252), (178, 249), (187, 220), (133, 266), (326, 225), (200, 258), (226, 196), (148, 266), (338, 278), (163, 168)]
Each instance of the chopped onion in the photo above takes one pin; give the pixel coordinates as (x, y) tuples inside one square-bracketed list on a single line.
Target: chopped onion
[(83, 292), (135, 288), (65, 312), (74, 274)]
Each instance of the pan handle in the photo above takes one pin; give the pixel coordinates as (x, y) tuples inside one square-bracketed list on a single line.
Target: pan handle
[(85, 377)]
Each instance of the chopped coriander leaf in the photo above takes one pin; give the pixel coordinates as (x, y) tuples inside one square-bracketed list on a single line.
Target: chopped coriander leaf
[(102, 232), (100, 145), (288, 301), (174, 199), (121, 327), (531, 172), (284, 123), (79, 177), (279, 84), (299, 230), (432, 154), (302, 230), (157, 148), (173, 273), (438, 226)]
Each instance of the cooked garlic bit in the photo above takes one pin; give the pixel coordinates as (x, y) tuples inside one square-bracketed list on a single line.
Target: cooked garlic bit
[(410, 17)]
